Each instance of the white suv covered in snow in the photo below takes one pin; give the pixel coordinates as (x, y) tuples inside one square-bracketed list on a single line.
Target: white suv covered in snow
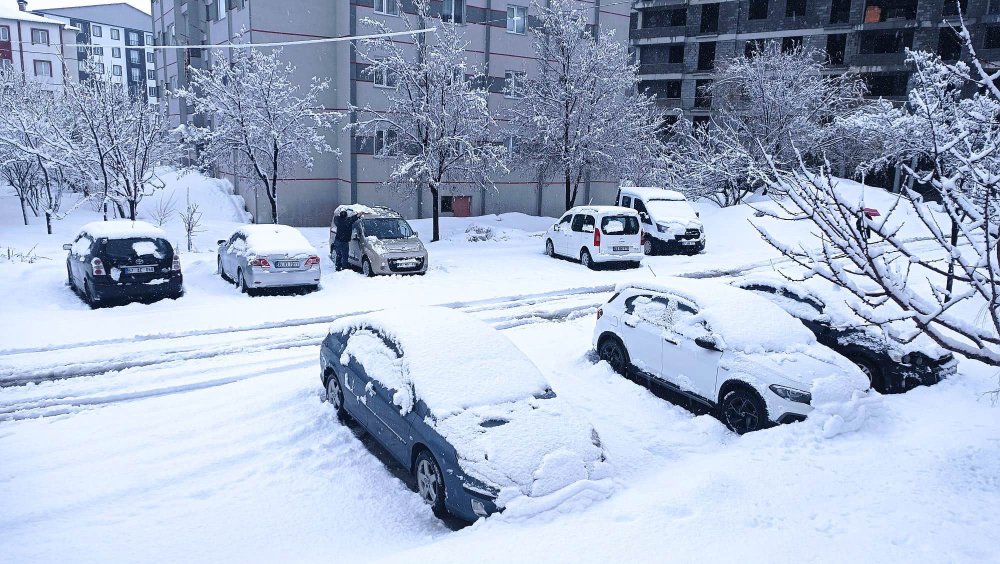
[(595, 235), (726, 348), (669, 222)]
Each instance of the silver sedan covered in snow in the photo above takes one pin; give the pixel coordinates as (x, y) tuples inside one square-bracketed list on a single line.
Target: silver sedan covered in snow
[(268, 256)]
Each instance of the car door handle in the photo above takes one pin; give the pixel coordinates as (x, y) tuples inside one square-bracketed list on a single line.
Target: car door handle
[(630, 322), (669, 340)]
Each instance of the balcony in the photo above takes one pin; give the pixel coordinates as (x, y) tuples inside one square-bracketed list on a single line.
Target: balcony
[(655, 32), (661, 68)]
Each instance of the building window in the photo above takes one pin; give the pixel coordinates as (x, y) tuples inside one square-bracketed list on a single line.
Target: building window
[(992, 37), (385, 142), (795, 8), (151, 75), (885, 42), (383, 78), (882, 10), (453, 11), (135, 75), (517, 18), (389, 7), (886, 84), (791, 44), (702, 94), (153, 92), (951, 7), (149, 39), (133, 38), (116, 70), (99, 51), (840, 11), (151, 58), (4, 33), (116, 34), (133, 57), (753, 47), (514, 84), (171, 35), (675, 17), (836, 44), (709, 18), (116, 52), (43, 68), (661, 89), (96, 30), (758, 10), (39, 37), (949, 44), (706, 55), (99, 68), (994, 7)]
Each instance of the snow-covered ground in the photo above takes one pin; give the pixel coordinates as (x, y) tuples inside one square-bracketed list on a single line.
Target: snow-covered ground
[(193, 429)]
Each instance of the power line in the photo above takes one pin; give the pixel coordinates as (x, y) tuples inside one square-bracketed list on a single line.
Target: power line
[(277, 44)]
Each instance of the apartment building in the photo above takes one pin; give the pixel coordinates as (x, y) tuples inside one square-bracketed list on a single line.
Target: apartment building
[(679, 42), (498, 42), (111, 40), (35, 45)]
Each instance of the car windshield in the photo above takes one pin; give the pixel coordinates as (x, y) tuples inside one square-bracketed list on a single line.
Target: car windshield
[(664, 210), (620, 225), (136, 247), (387, 228)]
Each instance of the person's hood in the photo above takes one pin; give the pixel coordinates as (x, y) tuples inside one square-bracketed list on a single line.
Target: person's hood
[(527, 448)]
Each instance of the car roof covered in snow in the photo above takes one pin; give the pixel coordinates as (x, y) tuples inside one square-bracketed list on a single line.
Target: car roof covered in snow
[(123, 229), (602, 209), (453, 361), (653, 193), (746, 321), (273, 239)]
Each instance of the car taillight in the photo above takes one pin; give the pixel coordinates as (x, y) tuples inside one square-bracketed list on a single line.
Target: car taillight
[(97, 266), (600, 312), (176, 265), (262, 262), (597, 237), (312, 261)]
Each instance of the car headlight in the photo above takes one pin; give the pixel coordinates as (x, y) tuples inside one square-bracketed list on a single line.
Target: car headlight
[(661, 228), (791, 394)]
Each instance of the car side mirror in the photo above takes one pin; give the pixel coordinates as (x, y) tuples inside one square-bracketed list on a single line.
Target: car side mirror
[(645, 217), (67, 247), (697, 214), (708, 342), (222, 241)]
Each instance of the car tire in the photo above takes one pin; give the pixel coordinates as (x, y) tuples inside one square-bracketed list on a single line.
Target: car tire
[(874, 375), (366, 267), (88, 295), (242, 283), (587, 260), (635, 264), (335, 395), (71, 282), (612, 351), (648, 247), (550, 249), (430, 482), (222, 272), (743, 411)]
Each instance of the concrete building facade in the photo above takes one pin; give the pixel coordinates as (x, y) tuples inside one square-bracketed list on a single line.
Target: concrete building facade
[(111, 40), (35, 45), (497, 43), (679, 42)]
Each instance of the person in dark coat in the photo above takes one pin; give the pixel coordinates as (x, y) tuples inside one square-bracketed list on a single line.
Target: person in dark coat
[(344, 223)]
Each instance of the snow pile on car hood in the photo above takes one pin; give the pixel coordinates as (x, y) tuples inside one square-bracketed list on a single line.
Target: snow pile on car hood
[(123, 229), (746, 322), (276, 240), (453, 361)]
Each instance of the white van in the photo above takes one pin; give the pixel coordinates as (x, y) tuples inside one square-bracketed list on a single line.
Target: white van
[(669, 222), (597, 234)]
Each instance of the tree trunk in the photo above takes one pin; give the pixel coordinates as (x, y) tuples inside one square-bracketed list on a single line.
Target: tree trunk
[(435, 211), (132, 205), (272, 194), (570, 196), (24, 210), (273, 200), (48, 221)]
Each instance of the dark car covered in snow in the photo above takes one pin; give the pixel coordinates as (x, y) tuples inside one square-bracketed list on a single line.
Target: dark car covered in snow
[(462, 409), (122, 260), (890, 366)]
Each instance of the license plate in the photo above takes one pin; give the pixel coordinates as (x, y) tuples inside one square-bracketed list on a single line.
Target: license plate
[(620, 249), (688, 242), (406, 263), (286, 263), (139, 269)]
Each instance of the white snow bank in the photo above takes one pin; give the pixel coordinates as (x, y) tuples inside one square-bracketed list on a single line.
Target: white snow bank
[(123, 229), (453, 361), (839, 406), (276, 240), (214, 196), (747, 322)]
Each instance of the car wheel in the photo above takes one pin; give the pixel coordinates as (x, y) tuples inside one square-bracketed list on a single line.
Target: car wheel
[(873, 374), (635, 264), (222, 273), (613, 352), (586, 260), (69, 278), (430, 482), (366, 267), (242, 283), (335, 396), (743, 411), (550, 248), (88, 295), (648, 248)]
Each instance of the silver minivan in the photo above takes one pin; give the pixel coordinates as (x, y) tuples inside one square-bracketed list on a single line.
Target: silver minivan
[(382, 242)]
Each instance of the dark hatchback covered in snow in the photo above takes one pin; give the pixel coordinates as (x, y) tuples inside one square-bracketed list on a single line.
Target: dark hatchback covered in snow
[(461, 408), (122, 260), (890, 366)]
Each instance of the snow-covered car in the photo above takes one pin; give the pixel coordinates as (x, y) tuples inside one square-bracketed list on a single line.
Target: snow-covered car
[(382, 242), (670, 224), (123, 259), (729, 349), (597, 235), (268, 256), (891, 366), (460, 407)]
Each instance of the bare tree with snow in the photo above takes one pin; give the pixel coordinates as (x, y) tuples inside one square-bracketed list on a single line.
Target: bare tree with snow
[(264, 126), (22, 174), (581, 114), (943, 283), (435, 122)]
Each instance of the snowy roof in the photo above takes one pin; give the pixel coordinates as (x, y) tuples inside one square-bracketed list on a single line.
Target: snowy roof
[(746, 321), (10, 11), (653, 193), (602, 209), (267, 239), (123, 229), (453, 361)]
